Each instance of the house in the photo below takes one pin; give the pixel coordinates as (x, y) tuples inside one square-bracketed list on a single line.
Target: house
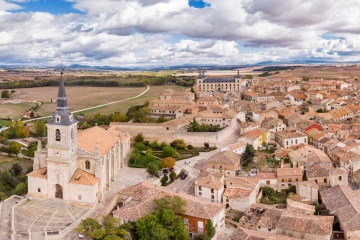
[(350, 161), (137, 201), (240, 192), (290, 137), (210, 186), (227, 163), (287, 177), (254, 138), (307, 155), (324, 174), (344, 203), (267, 179), (308, 191), (238, 147)]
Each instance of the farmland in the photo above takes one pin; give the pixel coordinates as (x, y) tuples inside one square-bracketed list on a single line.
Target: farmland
[(80, 98), (14, 111)]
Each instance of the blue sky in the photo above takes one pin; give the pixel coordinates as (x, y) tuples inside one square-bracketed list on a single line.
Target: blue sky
[(172, 32)]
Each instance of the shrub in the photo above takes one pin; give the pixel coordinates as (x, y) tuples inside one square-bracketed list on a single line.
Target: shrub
[(190, 147), (268, 191), (164, 180), (178, 144), (172, 176), (170, 152), (139, 138), (168, 162)]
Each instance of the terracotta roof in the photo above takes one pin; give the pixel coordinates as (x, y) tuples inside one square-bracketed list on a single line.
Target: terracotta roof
[(89, 138), (83, 178), (40, 173), (345, 204), (210, 180), (236, 145), (253, 134), (237, 192), (308, 153), (289, 172), (316, 225), (319, 170), (226, 157), (270, 218), (247, 234), (143, 194), (290, 134)]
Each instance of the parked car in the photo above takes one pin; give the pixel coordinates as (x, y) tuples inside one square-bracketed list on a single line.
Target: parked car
[(159, 175), (172, 169), (81, 235), (183, 176), (165, 171)]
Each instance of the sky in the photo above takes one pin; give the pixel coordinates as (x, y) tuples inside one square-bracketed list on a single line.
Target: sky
[(123, 33)]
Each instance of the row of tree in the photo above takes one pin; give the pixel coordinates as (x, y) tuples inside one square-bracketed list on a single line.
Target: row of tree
[(194, 126)]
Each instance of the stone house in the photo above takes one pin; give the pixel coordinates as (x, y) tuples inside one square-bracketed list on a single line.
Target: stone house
[(308, 191), (227, 163), (238, 147), (137, 201), (240, 192), (210, 186), (290, 137), (287, 177), (343, 202), (324, 174)]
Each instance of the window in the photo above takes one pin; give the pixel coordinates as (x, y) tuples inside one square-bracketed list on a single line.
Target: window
[(200, 193), (316, 181), (200, 227), (57, 135), (186, 221), (296, 179), (340, 178), (325, 180), (302, 235), (39, 190), (213, 166), (269, 229), (79, 197), (167, 128), (87, 164), (212, 190), (283, 231), (199, 188), (267, 182), (212, 196)]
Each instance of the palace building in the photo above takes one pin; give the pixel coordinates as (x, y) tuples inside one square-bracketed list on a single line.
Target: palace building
[(228, 84), (76, 166)]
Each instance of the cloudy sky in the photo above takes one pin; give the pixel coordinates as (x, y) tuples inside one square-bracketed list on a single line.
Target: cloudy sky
[(172, 32)]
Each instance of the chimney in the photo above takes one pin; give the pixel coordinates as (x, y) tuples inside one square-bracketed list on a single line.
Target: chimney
[(282, 163)]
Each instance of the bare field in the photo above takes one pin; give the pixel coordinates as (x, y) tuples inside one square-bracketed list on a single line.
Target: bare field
[(325, 72), (14, 111), (80, 98), (123, 106)]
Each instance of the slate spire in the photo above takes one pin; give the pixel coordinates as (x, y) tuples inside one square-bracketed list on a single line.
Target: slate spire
[(61, 98)]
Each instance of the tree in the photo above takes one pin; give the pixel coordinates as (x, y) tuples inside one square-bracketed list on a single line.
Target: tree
[(88, 225), (174, 203), (168, 162), (20, 189), (163, 223), (164, 180), (169, 152), (178, 144), (248, 156), (152, 168), (154, 145), (15, 148), (210, 230), (39, 128), (194, 126), (139, 138), (202, 237), (16, 168), (268, 191), (17, 130), (172, 176), (5, 94)]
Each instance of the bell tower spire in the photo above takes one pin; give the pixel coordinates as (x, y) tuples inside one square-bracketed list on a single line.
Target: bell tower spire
[(61, 98)]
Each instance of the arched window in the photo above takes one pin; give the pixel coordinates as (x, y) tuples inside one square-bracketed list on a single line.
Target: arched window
[(87, 164), (57, 135)]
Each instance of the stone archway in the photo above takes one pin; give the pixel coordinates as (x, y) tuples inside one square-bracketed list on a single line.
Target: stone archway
[(58, 191)]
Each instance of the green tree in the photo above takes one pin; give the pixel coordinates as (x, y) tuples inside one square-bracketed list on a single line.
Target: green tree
[(20, 189), (268, 191), (16, 167), (174, 203), (248, 156), (15, 148), (194, 126), (17, 130), (202, 237), (152, 168), (40, 128), (210, 230), (139, 138), (154, 145), (5, 93), (172, 176), (178, 144), (164, 180), (88, 225), (140, 146), (168, 162), (170, 152)]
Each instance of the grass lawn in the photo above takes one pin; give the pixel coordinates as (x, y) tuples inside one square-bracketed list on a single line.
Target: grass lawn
[(277, 198), (14, 111), (4, 122), (141, 162), (6, 162)]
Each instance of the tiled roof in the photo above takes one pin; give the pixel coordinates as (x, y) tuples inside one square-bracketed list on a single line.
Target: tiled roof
[(253, 134), (345, 204), (247, 234), (210, 180), (220, 80), (143, 194), (270, 218), (89, 138), (319, 170), (83, 178), (40, 173), (316, 225), (226, 157), (236, 145), (283, 172), (237, 192), (285, 134)]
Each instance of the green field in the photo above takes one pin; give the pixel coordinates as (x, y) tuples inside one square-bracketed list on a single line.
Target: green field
[(6, 162), (14, 111), (123, 106)]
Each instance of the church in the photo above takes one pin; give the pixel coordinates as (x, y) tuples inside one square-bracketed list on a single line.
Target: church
[(76, 166)]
